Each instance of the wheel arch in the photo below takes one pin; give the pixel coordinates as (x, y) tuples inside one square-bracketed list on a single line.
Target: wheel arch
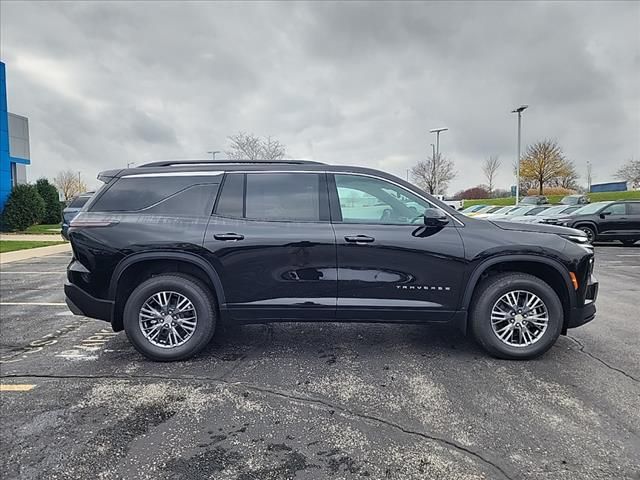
[(550, 271), (138, 267), (587, 223)]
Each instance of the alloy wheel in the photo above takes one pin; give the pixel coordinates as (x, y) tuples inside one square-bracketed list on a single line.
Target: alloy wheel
[(519, 318), (167, 319)]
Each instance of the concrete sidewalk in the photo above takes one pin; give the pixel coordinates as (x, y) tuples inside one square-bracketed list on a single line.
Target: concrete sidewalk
[(33, 252), (54, 237)]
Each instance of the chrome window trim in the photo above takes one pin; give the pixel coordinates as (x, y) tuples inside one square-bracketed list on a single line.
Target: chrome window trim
[(174, 174), (332, 172)]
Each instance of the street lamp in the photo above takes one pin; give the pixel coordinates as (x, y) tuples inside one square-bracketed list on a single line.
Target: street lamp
[(519, 111), (437, 154), (213, 153), (437, 132)]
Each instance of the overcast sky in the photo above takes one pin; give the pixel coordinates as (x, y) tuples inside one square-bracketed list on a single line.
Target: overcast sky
[(349, 83)]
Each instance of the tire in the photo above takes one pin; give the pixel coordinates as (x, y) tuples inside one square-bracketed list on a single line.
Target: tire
[(628, 243), (201, 309), (591, 233), (488, 297)]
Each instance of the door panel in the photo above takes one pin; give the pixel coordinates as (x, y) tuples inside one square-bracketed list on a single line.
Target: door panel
[(615, 221), (633, 212), (272, 269), (395, 269)]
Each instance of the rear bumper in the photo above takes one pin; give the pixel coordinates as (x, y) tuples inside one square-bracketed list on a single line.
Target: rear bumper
[(81, 303), (586, 313)]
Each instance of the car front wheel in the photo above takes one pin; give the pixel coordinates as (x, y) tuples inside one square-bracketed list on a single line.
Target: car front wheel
[(516, 316), (170, 317), (590, 232)]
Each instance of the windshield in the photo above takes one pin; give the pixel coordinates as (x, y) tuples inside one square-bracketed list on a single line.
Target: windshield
[(503, 210), (591, 208), (519, 211), (472, 208), (569, 200), (553, 210)]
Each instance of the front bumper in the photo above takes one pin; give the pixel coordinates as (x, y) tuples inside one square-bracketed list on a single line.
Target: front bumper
[(81, 303), (586, 313)]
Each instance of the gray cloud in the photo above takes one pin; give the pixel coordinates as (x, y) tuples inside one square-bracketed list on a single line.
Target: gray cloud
[(356, 83)]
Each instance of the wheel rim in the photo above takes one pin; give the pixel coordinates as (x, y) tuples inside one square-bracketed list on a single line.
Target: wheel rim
[(167, 319), (519, 318), (589, 233)]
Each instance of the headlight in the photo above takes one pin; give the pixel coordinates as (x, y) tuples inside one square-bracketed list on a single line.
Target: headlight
[(577, 238)]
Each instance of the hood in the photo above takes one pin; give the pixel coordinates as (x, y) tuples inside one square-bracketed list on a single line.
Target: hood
[(536, 228)]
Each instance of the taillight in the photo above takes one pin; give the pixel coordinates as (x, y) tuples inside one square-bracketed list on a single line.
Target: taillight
[(91, 219)]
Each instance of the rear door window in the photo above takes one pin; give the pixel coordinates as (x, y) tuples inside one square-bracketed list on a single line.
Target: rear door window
[(633, 208), (283, 196)]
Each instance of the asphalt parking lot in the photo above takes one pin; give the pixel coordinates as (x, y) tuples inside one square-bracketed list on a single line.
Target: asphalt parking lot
[(315, 401)]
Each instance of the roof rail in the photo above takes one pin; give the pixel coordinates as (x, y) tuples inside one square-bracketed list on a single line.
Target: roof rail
[(170, 163)]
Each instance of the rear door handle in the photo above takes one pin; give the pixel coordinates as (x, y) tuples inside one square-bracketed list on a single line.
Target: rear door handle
[(359, 239), (228, 236)]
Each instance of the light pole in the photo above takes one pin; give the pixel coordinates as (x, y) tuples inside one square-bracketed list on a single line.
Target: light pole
[(519, 111), (213, 154), (437, 154)]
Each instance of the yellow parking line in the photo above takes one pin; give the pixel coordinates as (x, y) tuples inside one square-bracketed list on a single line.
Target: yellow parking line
[(16, 387)]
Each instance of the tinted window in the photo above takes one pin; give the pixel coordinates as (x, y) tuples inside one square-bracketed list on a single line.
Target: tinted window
[(536, 211), (615, 209), (634, 208), (130, 194), (78, 202), (371, 200), (283, 196), (231, 201), (196, 200)]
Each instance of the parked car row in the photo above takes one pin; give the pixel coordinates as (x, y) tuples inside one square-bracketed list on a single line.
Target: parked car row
[(604, 221)]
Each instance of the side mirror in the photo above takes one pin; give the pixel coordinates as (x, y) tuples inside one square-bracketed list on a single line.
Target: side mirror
[(604, 214), (435, 218)]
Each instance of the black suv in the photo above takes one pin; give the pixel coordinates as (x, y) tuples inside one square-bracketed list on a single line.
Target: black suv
[(606, 221), (168, 250)]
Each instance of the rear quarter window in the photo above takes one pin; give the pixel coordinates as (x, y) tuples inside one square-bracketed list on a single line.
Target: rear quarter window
[(161, 195)]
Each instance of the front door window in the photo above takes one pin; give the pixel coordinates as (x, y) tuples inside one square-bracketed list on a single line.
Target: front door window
[(374, 201)]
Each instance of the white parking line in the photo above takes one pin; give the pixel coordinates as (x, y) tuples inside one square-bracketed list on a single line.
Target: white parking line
[(37, 273), (39, 304), (628, 255)]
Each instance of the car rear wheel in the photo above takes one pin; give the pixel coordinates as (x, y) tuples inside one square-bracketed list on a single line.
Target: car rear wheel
[(170, 317), (516, 316)]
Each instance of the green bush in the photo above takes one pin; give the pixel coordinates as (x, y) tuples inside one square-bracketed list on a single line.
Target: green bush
[(49, 193), (24, 207)]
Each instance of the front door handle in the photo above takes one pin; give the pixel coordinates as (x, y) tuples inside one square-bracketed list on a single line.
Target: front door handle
[(359, 239), (228, 236)]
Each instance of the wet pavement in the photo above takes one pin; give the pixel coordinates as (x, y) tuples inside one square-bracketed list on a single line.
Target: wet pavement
[(315, 401)]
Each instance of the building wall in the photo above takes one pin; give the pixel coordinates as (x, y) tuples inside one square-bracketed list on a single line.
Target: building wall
[(14, 144)]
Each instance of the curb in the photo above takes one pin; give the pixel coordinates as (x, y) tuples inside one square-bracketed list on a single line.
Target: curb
[(33, 253)]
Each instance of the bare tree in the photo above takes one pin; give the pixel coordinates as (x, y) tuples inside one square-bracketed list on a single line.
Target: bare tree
[(630, 172), (246, 146), (434, 174), (543, 163), (69, 183), (490, 169)]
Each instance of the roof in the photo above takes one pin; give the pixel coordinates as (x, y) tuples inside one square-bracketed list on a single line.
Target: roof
[(245, 166)]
